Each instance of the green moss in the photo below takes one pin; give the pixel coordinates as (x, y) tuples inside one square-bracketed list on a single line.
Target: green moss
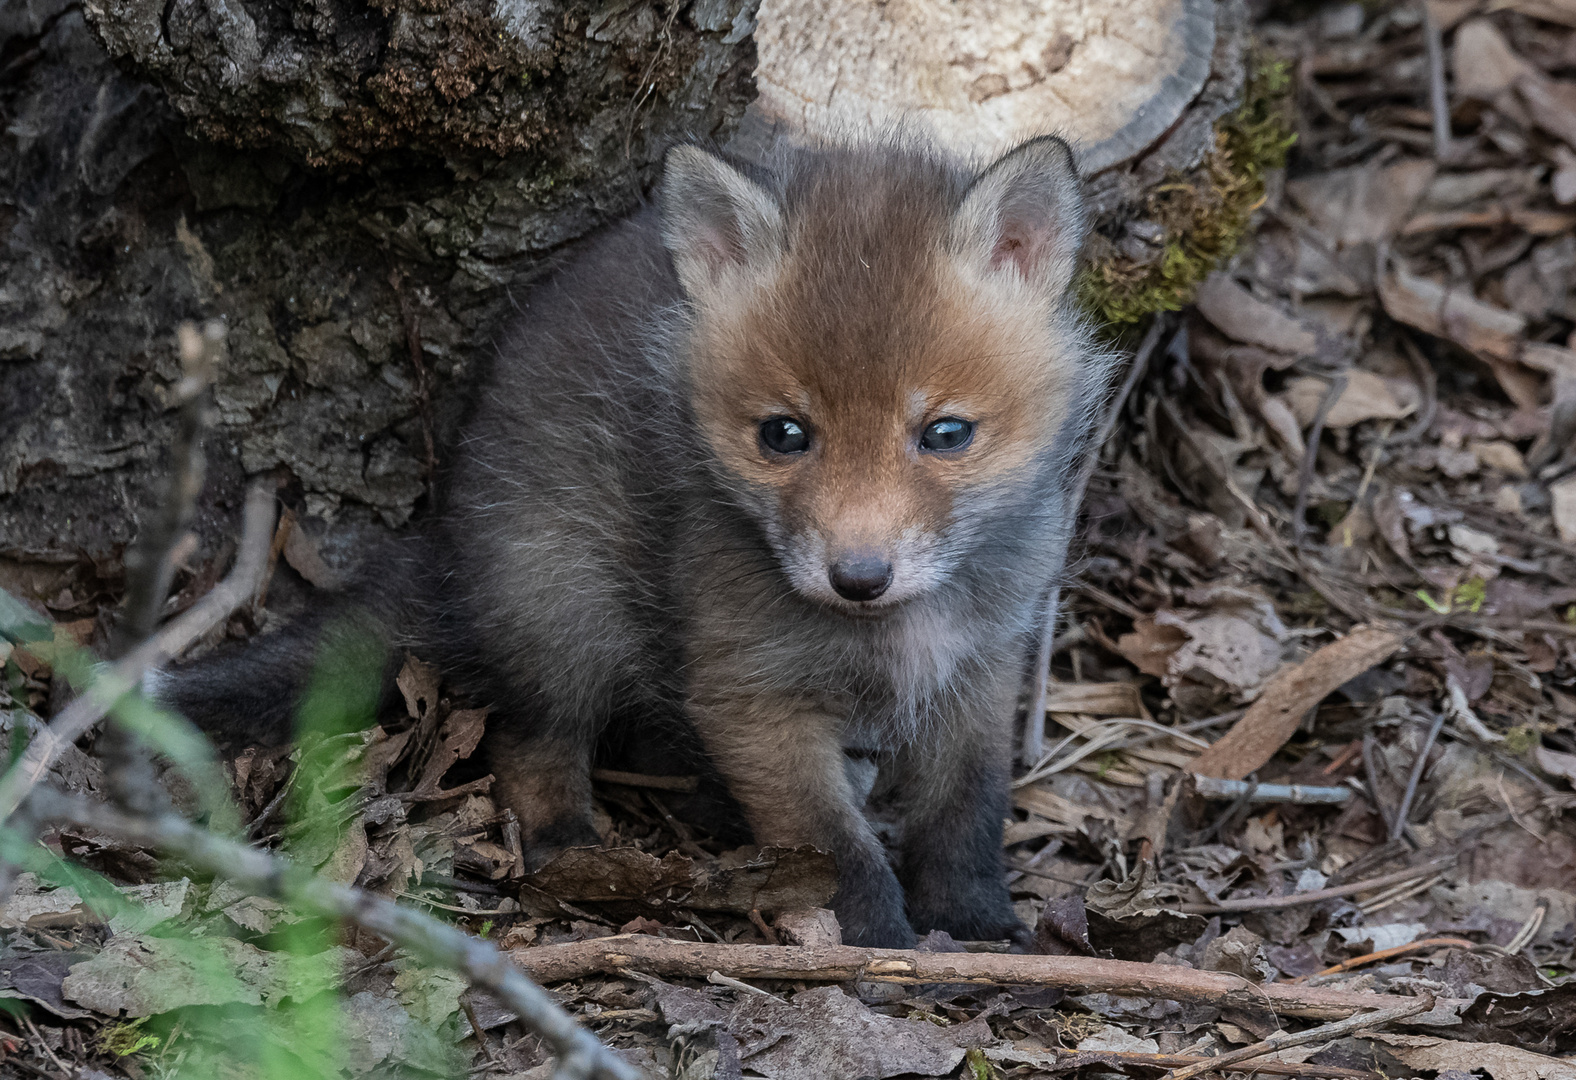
[(979, 1066), (124, 1039), (1521, 739), (1204, 214)]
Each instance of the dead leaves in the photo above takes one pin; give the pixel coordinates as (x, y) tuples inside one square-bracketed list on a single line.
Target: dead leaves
[(142, 976), (821, 1033), (1498, 1062), (1271, 720)]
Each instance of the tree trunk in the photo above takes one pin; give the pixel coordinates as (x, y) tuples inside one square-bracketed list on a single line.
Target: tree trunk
[(355, 188)]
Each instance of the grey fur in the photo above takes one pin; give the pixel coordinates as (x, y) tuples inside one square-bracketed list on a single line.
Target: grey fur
[(594, 562)]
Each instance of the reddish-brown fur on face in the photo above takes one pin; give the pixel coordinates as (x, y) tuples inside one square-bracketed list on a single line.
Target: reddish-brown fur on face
[(867, 328)]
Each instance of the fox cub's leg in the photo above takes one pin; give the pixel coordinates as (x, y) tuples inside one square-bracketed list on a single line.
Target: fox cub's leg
[(783, 761), (545, 778), (952, 795)]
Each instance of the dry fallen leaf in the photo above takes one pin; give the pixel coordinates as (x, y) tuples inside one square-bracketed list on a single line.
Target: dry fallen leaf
[(1499, 1062), (142, 976), (1563, 496), (1484, 63), (821, 1033), (1452, 313), (1274, 717), (1242, 316), (1554, 11), (1499, 455), (1367, 397), (1095, 699), (1238, 647), (1563, 182), (770, 880), (1552, 103), (1364, 204), (1556, 763)]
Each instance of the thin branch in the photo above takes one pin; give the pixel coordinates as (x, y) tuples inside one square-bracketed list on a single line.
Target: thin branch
[(1269, 903), (1283, 1040), (580, 1055), (1418, 767), (1034, 720), (1310, 457), (112, 685), (129, 774), (688, 784), (1438, 99), (149, 568), (1068, 1060), (844, 963), (1371, 771), (1212, 787), (1386, 954)]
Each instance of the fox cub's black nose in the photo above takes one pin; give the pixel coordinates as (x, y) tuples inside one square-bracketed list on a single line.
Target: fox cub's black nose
[(861, 579)]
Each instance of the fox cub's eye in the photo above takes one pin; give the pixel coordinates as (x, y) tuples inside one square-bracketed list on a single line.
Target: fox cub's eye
[(948, 433), (784, 435)]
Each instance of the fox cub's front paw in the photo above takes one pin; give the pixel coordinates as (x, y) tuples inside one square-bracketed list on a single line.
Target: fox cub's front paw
[(544, 843)]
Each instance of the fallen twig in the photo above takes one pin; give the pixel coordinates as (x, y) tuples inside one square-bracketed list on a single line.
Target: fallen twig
[(111, 685), (1211, 787), (580, 1055), (1418, 766), (1310, 456), (1283, 1040), (1371, 772), (646, 780), (1386, 954), (149, 568), (1438, 98), (129, 774), (1268, 903), (845, 963), (1071, 1060), (1034, 719)]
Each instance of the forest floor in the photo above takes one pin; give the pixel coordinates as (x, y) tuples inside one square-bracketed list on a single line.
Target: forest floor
[(1332, 545)]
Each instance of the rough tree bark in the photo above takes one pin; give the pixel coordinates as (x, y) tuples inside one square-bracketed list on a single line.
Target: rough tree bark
[(358, 187), (334, 179)]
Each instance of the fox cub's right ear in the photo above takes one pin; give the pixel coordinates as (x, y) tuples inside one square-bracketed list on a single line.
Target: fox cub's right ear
[(717, 223)]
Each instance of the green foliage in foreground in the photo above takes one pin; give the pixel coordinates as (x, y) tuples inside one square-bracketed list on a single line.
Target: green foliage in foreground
[(216, 984)]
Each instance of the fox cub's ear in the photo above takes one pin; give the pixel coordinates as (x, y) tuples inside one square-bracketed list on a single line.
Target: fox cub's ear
[(1024, 215), (716, 222)]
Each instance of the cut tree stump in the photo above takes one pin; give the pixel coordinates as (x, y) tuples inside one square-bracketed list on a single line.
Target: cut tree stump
[(360, 189), (1112, 77)]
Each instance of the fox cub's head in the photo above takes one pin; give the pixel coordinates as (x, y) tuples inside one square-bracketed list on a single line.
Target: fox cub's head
[(880, 357)]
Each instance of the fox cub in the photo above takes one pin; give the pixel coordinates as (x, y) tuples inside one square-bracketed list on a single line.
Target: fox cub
[(788, 455)]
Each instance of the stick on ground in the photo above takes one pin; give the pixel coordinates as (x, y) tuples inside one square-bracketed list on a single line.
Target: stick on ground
[(844, 963), (1034, 720), (1270, 903), (1283, 1040)]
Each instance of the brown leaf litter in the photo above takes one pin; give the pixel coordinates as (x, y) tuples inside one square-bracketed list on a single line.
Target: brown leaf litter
[(1332, 546)]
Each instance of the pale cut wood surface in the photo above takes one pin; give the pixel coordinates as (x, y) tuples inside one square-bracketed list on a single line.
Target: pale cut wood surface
[(1111, 77)]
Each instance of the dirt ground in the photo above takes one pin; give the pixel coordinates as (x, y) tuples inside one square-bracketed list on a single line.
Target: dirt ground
[(1323, 641)]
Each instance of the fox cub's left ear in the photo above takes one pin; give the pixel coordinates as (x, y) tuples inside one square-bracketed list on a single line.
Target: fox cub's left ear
[(717, 223), (1025, 216)]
